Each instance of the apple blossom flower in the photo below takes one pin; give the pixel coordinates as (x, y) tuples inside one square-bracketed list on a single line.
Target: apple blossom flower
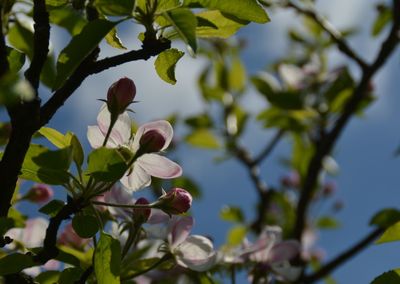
[(32, 235), (120, 95), (147, 163), (176, 201), (39, 193), (69, 237), (270, 250), (194, 252)]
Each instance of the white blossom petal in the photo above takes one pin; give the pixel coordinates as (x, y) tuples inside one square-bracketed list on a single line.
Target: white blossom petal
[(180, 228), (137, 179), (95, 136), (291, 75), (284, 251), (159, 166), (196, 253)]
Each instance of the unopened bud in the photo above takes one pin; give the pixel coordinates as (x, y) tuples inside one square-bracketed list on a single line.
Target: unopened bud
[(120, 95), (141, 215), (328, 189), (176, 201), (40, 193), (152, 141), (291, 180)]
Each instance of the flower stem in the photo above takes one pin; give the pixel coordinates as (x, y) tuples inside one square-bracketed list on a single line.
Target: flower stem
[(151, 205), (113, 120)]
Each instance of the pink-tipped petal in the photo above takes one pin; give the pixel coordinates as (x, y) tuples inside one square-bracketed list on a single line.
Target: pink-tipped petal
[(137, 179), (121, 131), (161, 126), (284, 251), (95, 136), (196, 253), (118, 196), (159, 166), (180, 228)]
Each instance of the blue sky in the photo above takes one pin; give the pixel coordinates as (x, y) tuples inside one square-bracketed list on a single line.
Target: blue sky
[(368, 179)]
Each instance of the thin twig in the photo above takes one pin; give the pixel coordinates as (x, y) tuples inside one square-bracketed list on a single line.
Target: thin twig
[(335, 35), (342, 258), (269, 148), (327, 143)]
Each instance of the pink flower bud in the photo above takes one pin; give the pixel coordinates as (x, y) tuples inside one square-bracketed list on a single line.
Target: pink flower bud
[(152, 141), (291, 180), (141, 215), (40, 193), (69, 238), (120, 95), (176, 201), (328, 189)]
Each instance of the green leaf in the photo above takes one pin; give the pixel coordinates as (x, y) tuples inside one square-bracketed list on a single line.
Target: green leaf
[(215, 24), (265, 84), (113, 39), (389, 277), (232, 214), (56, 138), (77, 149), (385, 218), (74, 256), (248, 10), (106, 164), (184, 23), (56, 2), (202, 120), (15, 262), (203, 138), (165, 64), (6, 224), (22, 39), (167, 5), (68, 18), (237, 76), (16, 59), (382, 20), (107, 259), (115, 8), (52, 208), (85, 226), (45, 166), (79, 47), (48, 277), (327, 222), (236, 235), (392, 234), (70, 275)]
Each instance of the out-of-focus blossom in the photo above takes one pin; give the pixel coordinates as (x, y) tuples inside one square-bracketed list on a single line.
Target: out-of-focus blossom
[(291, 180), (269, 249), (32, 235), (328, 189), (175, 201), (148, 163), (194, 252), (39, 193), (120, 95), (69, 237)]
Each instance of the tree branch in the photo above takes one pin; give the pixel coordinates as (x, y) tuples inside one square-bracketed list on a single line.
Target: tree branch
[(327, 143), (333, 33), (342, 258), (269, 148), (40, 43)]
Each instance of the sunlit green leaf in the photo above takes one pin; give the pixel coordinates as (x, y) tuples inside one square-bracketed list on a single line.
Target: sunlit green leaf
[(184, 23), (203, 138), (390, 277), (107, 260), (236, 235), (68, 18), (165, 64), (216, 24), (15, 59), (382, 20), (167, 5), (392, 234), (327, 222), (199, 121), (56, 2), (232, 214), (248, 10), (79, 47), (113, 39), (115, 8), (106, 164)]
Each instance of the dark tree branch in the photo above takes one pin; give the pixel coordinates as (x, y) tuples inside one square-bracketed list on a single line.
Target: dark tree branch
[(333, 33), (269, 148), (327, 143), (342, 258), (40, 42), (89, 67), (24, 115)]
